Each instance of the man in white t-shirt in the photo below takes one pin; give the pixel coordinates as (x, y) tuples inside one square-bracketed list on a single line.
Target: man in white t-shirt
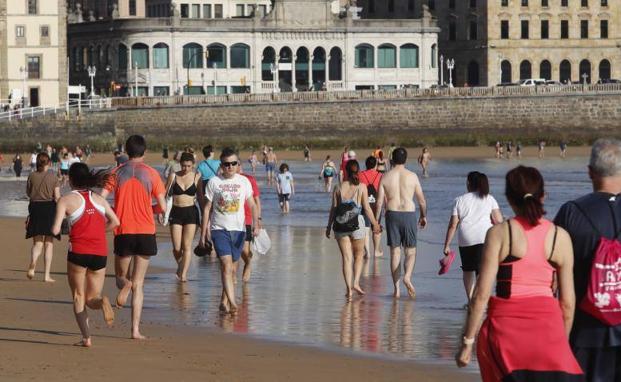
[(224, 222), (285, 187)]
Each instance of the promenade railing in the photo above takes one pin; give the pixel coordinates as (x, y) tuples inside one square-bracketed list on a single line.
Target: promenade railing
[(69, 107), (324, 96)]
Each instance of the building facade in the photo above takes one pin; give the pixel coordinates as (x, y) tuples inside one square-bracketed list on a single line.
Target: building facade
[(33, 53), (296, 46)]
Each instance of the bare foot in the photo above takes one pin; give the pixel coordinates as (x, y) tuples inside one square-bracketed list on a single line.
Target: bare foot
[(348, 295), (410, 288), (121, 298), (224, 308), (49, 280), (108, 312), (86, 342), (233, 310), (359, 290), (379, 254), (246, 274), (397, 292), (138, 336), (31, 272)]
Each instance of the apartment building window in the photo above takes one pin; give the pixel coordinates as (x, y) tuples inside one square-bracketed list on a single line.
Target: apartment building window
[(604, 3), (504, 29), (603, 29), (217, 11), (473, 35), (207, 11), (45, 31), (411, 5), (452, 31), (263, 9), (564, 29), (34, 67), (185, 11), (524, 29), (584, 3), (20, 31), (371, 6), (452, 4), (196, 11), (32, 7), (545, 29), (564, 3), (473, 3), (132, 7), (544, 3), (432, 4), (525, 3), (584, 28), (391, 6), (239, 10), (504, 3)]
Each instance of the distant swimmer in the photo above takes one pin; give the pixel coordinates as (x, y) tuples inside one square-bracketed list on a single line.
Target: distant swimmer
[(423, 159), (328, 172), (89, 216), (398, 188)]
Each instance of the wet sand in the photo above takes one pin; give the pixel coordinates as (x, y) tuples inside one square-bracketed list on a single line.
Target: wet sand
[(37, 330)]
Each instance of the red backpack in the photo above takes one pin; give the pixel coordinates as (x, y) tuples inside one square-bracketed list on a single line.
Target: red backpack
[(603, 297)]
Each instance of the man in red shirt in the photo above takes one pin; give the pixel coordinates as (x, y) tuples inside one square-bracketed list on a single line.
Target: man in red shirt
[(134, 185), (246, 252), (371, 178)]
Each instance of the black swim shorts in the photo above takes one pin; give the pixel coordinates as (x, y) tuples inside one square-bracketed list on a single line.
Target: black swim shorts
[(92, 262), (135, 244), (401, 228), (471, 257)]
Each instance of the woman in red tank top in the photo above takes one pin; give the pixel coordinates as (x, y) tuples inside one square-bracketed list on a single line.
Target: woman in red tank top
[(525, 334), (89, 217)]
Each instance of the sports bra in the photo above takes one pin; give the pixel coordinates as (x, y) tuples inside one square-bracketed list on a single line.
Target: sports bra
[(177, 190)]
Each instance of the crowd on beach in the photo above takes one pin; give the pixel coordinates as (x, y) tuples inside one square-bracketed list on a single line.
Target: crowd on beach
[(533, 330)]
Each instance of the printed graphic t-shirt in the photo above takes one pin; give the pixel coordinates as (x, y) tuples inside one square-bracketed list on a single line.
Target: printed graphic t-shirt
[(284, 180), (134, 185), (255, 194), (228, 197)]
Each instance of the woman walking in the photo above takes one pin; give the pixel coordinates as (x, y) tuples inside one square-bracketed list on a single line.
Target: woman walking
[(43, 190), (89, 216), (473, 214), (183, 185), (525, 335), (348, 201), (381, 162), (64, 168), (18, 165), (328, 172)]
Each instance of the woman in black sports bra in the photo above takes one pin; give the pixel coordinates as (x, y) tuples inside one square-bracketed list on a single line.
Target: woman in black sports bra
[(184, 217)]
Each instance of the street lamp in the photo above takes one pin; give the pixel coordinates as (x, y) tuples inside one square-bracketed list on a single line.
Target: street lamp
[(450, 65), (274, 70), (441, 70), (190, 62), (215, 78), (92, 70), (24, 73)]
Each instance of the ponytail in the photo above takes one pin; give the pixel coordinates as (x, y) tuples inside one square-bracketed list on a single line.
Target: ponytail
[(81, 177), (352, 169), (525, 190)]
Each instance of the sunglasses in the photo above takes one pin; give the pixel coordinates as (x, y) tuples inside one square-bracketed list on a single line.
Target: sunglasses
[(230, 164)]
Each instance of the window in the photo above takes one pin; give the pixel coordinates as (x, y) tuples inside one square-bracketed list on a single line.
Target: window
[(584, 28), (240, 56), (161, 91), (473, 3), (504, 29), (603, 29), (525, 3), (364, 56), (434, 56), (545, 29), (431, 4), (238, 90), (584, 3), (472, 31), (217, 56), (263, 9), (564, 3), (335, 65), (604, 70), (452, 31), (122, 58), (185, 11), (408, 57), (452, 4), (207, 11), (192, 56), (544, 3), (585, 71), (386, 56), (371, 6), (505, 75), (604, 3), (217, 11), (410, 5), (32, 7), (34, 67), (564, 29), (239, 10), (160, 56), (525, 70), (391, 6), (45, 31), (524, 29), (504, 3), (132, 7), (565, 72), (268, 59), (140, 56), (545, 70), (196, 11), (20, 31)]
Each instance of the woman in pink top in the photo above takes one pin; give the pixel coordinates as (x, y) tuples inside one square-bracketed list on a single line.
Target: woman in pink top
[(525, 335)]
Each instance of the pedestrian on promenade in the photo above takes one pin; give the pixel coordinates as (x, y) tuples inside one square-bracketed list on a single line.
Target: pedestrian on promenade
[(525, 335), (184, 217), (590, 219), (134, 185), (246, 252), (18, 165), (328, 172), (349, 200), (398, 188), (424, 159), (473, 214), (371, 178), (271, 160), (43, 190), (225, 226), (89, 216), (285, 187)]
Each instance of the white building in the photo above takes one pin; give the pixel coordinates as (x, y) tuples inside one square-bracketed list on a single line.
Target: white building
[(297, 46)]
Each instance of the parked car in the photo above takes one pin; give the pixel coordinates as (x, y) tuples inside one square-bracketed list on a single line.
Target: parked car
[(505, 84), (552, 83), (532, 82), (608, 81)]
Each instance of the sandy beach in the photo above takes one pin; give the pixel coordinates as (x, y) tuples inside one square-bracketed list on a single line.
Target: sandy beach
[(37, 331)]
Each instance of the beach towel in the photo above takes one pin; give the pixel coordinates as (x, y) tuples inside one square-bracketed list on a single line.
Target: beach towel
[(445, 262)]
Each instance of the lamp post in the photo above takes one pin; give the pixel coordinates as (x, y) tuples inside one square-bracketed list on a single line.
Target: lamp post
[(450, 65), (215, 78), (136, 79), (190, 61), (500, 63), (274, 70), (92, 71), (24, 73), (441, 70)]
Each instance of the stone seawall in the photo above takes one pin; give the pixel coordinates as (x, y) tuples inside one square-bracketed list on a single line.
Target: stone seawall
[(460, 120)]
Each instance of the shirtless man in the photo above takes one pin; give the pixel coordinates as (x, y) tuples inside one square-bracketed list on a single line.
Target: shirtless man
[(270, 165), (398, 188)]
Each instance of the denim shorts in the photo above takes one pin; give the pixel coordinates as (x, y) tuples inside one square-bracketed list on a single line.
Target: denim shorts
[(228, 243)]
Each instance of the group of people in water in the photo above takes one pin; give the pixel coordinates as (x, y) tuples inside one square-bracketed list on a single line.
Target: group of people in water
[(533, 329)]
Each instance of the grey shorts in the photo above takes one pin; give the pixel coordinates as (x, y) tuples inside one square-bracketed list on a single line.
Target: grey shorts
[(358, 234), (401, 229)]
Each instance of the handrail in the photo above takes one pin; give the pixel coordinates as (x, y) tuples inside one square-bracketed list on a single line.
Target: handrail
[(67, 107)]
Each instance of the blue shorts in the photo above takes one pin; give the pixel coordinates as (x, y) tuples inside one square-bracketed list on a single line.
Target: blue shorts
[(270, 166), (228, 243)]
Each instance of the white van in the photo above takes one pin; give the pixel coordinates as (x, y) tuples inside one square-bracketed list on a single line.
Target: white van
[(533, 82)]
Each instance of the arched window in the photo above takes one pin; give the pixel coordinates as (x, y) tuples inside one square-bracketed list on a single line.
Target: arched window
[(434, 56), (319, 68), (604, 70), (302, 58), (545, 70), (240, 56), (217, 56), (75, 59), (505, 76), (160, 56), (99, 58), (386, 56), (335, 67), (585, 68), (365, 56), (269, 59), (107, 53), (285, 73), (192, 56), (565, 72), (525, 70), (408, 56), (140, 56), (473, 73), (122, 57), (285, 56), (91, 56)]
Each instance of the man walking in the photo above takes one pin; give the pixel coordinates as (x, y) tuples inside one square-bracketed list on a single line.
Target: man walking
[(134, 185), (246, 252), (399, 187), (596, 345), (208, 169), (225, 226), (371, 178)]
